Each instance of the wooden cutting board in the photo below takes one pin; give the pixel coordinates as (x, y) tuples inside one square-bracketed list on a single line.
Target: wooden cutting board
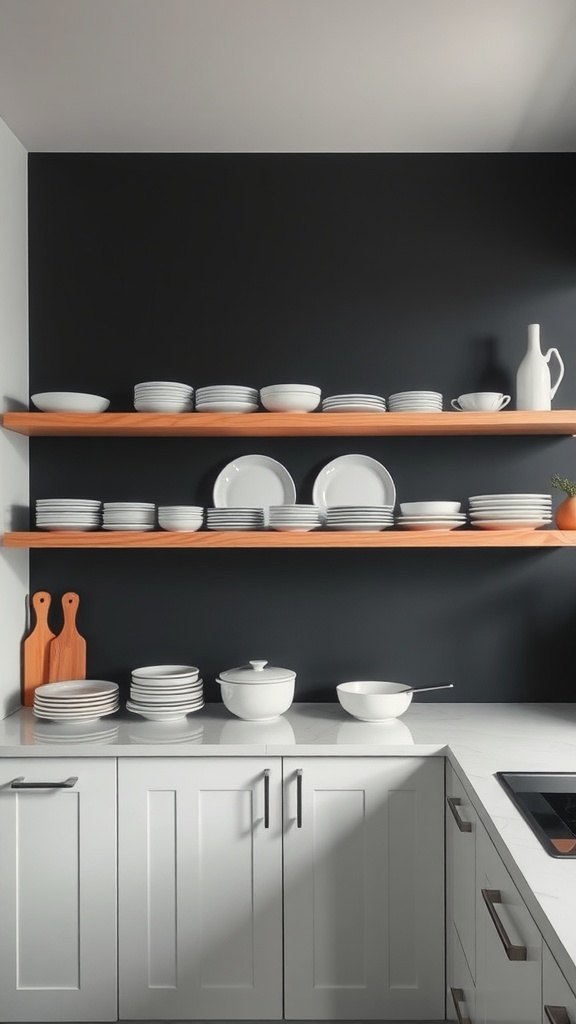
[(68, 649), (36, 653)]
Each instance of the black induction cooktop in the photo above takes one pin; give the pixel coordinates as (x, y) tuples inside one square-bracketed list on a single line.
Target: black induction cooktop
[(547, 800)]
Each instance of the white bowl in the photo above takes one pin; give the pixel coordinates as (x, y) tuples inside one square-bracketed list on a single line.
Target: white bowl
[(162, 673), (277, 389), (69, 401), (261, 703), (290, 401), (373, 701), (430, 508)]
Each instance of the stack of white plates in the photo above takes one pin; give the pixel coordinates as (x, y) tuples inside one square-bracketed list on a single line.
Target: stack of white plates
[(354, 403), (510, 511), (235, 518), (163, 396), (68, 514), (294, 518), (180, 517), (430, 515), (370, 518), (415, 401), (129, 515), (76, 700), (226, 398), (165, 693)]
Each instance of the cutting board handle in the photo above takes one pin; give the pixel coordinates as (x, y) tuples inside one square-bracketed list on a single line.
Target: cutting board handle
[(70, 604), (36, 648)]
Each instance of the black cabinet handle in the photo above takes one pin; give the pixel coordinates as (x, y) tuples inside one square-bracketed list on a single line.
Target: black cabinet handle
[(458, 997), (266, 798), (491, 897), (20, 784), (557, 1014), (298, 798), (453, 803)]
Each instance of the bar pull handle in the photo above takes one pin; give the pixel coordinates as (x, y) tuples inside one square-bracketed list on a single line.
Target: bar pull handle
[(458, 997), (298, 798), (491, 897), (453, 803), (557, 1014), (266, 798), (19, 783)]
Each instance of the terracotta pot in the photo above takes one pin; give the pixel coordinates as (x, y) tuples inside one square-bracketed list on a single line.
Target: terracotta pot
[(566, 514)]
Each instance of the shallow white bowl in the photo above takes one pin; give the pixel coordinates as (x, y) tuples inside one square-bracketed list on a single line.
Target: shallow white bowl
[(258, 703), (276, 389), (290, 401), (373, 701), (69, 401), (430, 508)]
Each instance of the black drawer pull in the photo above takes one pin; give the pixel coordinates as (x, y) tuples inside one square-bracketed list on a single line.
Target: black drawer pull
[(491, 898), (557, 1014), (20, 784), (458, 997), (453, 803)]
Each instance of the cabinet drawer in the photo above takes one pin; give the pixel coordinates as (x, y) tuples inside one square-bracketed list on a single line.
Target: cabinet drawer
[(460, 988), (461, 826), (558, 999), (508, 990)]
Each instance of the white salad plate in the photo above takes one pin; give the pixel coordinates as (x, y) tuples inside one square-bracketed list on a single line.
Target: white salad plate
[(226, 407), (76, 716), (353, 480), (422, 517), (128, 526), (350, 407), (77, 687), (515, 514), (430, 524), (510, 524), (254, 480), (509, 497)]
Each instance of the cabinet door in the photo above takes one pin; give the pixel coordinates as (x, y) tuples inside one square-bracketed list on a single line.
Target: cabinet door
[(461, 866), (58, 890), (508, 991), (559, 1001), (364, 888), (200, 888)]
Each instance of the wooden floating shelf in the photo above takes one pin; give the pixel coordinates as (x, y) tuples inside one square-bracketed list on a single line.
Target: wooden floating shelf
[(461, 538), (277, 424)]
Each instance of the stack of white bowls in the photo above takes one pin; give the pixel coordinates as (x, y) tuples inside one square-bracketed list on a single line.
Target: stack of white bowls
[(290, 397), (235, 518), (415, 401), (129, 515), (165, 693), (294, 518), (510, 511), (68, 514), (368, 518), (430, 515), (180, 517), (257, 692), (354, 403), (226, 398), (163, 396)]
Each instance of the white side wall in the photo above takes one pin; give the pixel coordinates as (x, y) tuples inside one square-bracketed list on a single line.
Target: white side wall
[(14, 491)]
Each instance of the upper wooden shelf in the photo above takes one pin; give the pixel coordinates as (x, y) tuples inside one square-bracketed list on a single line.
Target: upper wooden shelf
[(462, 538), (278, 424)]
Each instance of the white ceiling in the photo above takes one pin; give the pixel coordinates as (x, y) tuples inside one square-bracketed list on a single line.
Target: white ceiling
[(289, 75)]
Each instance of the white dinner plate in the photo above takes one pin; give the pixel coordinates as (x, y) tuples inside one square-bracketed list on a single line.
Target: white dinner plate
[(517, 514), (254, 480), (226, 407), (353, 408), (360, 526), (161, 716), (353, 480), (508, 497)]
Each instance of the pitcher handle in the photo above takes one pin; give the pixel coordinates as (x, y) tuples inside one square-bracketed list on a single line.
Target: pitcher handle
[(555, 352)]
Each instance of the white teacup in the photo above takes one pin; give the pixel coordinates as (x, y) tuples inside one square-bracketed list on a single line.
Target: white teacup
[(480, 401)]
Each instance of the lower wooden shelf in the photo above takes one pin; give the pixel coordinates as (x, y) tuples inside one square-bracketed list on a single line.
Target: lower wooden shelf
[(462, 538)]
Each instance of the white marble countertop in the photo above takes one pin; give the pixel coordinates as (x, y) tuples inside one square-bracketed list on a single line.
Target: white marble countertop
[(477, 739)]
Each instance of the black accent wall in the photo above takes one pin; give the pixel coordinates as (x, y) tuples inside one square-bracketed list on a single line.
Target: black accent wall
[(372, 273)]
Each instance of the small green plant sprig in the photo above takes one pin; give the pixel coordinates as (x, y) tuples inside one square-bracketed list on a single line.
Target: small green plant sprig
[(562, 484)]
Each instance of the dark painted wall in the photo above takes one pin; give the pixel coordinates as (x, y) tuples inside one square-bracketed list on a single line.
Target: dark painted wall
[(355, 272)]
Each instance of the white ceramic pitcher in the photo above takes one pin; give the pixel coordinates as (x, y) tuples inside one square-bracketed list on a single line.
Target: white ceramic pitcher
[(533, 382)]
